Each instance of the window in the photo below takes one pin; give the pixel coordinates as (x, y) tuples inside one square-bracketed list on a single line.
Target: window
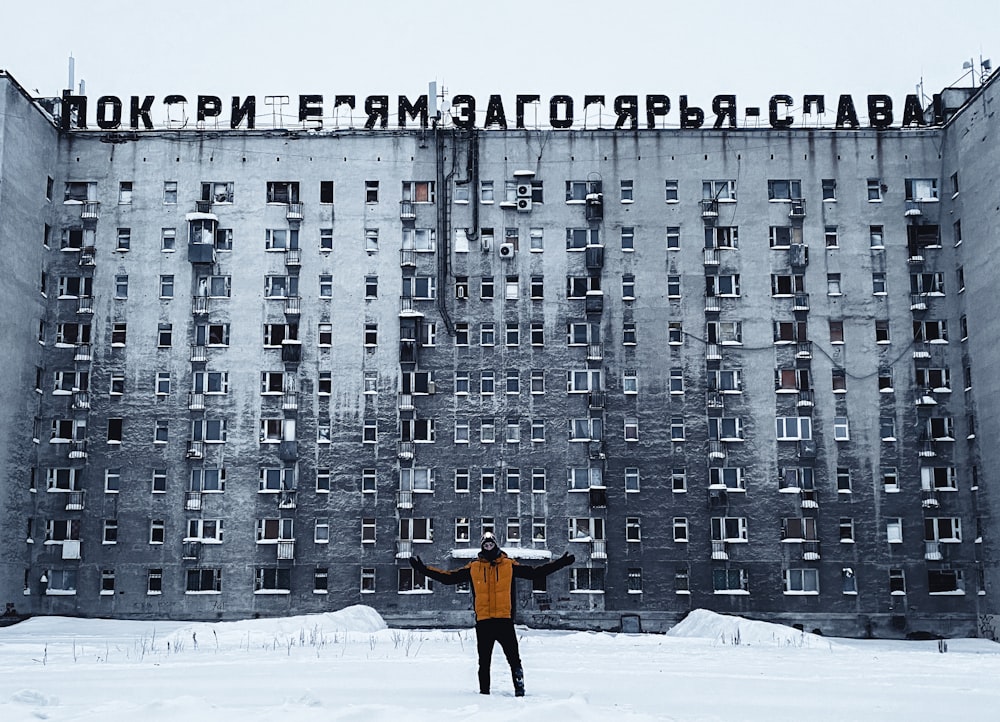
[(673, 238), (631, 479), (371, 335), (921, 189), (943, 529), (676, 381), (945, 581), (793, 428), (537, 333), (166, 286), (487, 382), (629, 333), (217, 192), (675, 333), (631, 428), (831, 237), (801, 581), (784, 236), (633, 529), (121, 286), (726, 478), (626, 188), (282, 192), (838, 378), (670, 191), (156, 531), (461, 431), (159, 481), (538, 431), (369, 433), (722, 237), (846, 526), (887, 428), (628, 238), (730, 581), (843, 480), (726, 285), (369, 481), (513, 381), (154, 581), (876, 237), (841, 429), (628, 287), (938, 478), (878, 283), (882, 332), (680, 529), (512, 334), (486, 194), (784, 190), (718, 190), (874, 190), (115, 430), (170, 192), (930, 331), (371, 240), (486, 288), (461, 333), (894, 530), (487, 431), (836, 332), (677, 428), (833, 284), (829, 189), (725, 429), (673, 286), (204, 581)]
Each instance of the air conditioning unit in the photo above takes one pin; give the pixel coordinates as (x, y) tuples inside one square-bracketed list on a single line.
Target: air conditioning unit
[(507, 250), (524, 190), (524, 204)]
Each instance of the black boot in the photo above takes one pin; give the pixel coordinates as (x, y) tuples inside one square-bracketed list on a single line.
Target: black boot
[(484, 682), (518, 681)]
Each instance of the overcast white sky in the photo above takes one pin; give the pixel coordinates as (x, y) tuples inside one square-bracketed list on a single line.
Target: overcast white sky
[(754, 49)]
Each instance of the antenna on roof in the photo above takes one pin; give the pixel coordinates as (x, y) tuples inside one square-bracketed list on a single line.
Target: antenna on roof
[(72, 73)]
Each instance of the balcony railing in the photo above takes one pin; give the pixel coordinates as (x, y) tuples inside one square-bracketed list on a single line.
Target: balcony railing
[(405, 402), (293, 257), (912, 209), (716, 449), (287, 499), (405, 449), (918, 302), (801, 302), (290, 401), (199, 305), (293, 305), (199, 353), (294, 212), (404, 499), (407, 212), (595, 399), (594, 302), (711, 256), (797, 209), (713, 304), (720, 550), (599, 549), (805, 399), (88, 256), (196, 450), (810, 551), (804, 349), (192, 500), (595, 351), (930, 499), (190, 550), (286, 549), (85, 305), (81, 400), (404, 548), (710, 210), (932, 551), (90, 210), (82, 352), (78, 450), (407, 258), (74, 500), (713, 352)]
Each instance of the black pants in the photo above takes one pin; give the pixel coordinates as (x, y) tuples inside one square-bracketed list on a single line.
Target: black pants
[(489, 631)]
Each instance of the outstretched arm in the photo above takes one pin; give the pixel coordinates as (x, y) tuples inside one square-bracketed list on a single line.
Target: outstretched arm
[(523, 571), (455, 576)]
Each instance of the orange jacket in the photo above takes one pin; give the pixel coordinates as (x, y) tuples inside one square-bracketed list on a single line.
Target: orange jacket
[(493, 581)]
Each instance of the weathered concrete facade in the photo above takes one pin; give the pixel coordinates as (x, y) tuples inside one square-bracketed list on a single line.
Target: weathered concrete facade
[(585, 340)]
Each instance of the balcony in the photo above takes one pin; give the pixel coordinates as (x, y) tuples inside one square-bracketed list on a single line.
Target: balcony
[(293, 305), (196, 450), (713, 352), (404, 499), (804, 349), (82, 352), (912, 209), (930, 499), (78, 450), (807, 449), (287, 499), (405, 449), (192, 500), (74, 501), (932, 551), (924, 397), (203, 206), (81, 400), (709, 210), (404, 402), (599, 549), (714, 400), (926, 448), (293, 257), (921, 350), (407, 211), (85, 305), (404, 548), (594, 302), (71, 549), (595, 400), (407, 258), (809, 499), (90, 210), (598, 497), (713, 304), (88, 256), (798, 255), (199, 353), (810, 551), (594, 257), (711, 256), (716, 450), (797, 208), (286, 549), (806, 399), (290, 401), (199, 305), (294, 212), (291, 351), (190, 551), (801, 302), (918, 302), (595, 351), (720, 550), (288, 450)]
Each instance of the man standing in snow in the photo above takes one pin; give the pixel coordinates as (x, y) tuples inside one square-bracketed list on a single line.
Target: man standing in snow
[(492, 576)]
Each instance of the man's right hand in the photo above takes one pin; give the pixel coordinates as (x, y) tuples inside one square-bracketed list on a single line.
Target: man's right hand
[(417, 564)]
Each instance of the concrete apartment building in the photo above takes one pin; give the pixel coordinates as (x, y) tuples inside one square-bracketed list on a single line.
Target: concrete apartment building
[(252, 371)]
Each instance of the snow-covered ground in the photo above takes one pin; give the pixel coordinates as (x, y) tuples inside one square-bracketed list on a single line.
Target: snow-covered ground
[(347, 665)]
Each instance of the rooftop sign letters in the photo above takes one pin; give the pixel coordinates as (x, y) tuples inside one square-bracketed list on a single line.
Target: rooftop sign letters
[(629, 112)]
